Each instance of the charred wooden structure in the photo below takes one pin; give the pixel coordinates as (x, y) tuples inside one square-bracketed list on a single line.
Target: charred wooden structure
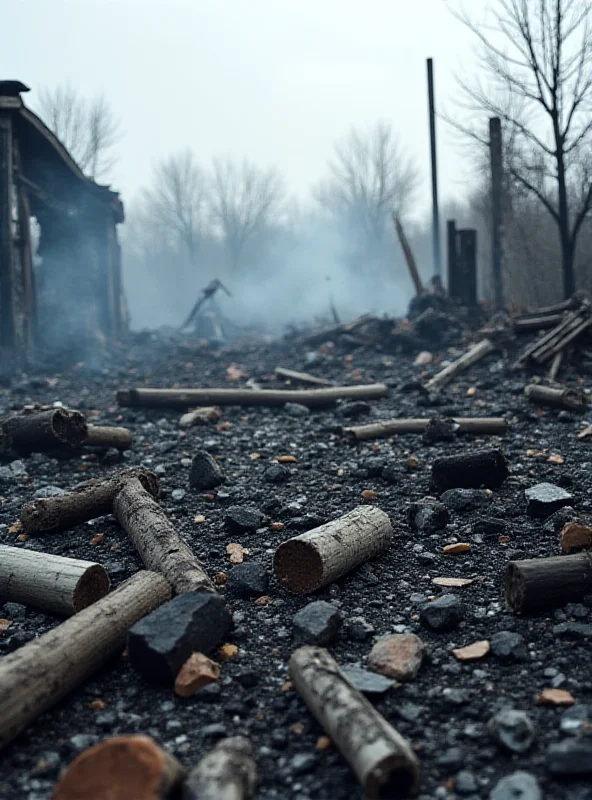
[(69, 293)]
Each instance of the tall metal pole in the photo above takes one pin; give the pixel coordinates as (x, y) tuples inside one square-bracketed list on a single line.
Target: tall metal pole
[(495, 148), (435, 208)]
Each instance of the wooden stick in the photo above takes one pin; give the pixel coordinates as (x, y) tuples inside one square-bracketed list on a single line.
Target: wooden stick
[(88, 501), (38, 674), (556, 366), (55, 584), (302, 377), (156, 540), (40, 431), (537, 323), (382, 759), (470, 470), (305, 563), (559, 342), (573, 399), (494, 426), (409, 258), (228, 772), (476, 353), (107, 436), (121, 767), (180, 398), (539, 583)]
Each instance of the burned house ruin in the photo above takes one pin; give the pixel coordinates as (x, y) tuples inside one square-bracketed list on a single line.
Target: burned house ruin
[(64, 291)]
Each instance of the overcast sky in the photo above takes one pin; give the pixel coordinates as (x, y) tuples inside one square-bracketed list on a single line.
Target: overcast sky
[(274, 80)]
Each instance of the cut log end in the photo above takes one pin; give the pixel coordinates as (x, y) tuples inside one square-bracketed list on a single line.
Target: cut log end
[(298, 566), (93, 585), (122, 767), (392, 777), (514, 588), (68, 426)]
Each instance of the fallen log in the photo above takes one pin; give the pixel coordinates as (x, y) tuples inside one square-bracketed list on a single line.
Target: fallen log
[(40, 431), (55, 584), (38, 674), (121, 768), (86, 502), (180, 398), (476, 353), (307, 562), (382, 759), (156, 540), (572, 399), (494, 426), (107, 436), (538, 583), (471, 470), (228, 772), (302, 377)]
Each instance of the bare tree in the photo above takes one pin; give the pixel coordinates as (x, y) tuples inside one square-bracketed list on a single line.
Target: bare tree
[(537, 55), (87, 128), (176, 202), (246, 203), (370, 177)]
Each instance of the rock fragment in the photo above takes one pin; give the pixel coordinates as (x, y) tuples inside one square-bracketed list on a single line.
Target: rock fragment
[(544, 499), (205, 472), (198, 671), (317, 623), (466, 499), (276, 473), (508, 646), (472, 652), (242, 519), (247, 580), (570, 758), (398, 656), (428, 516), (367, 682), (517, 786), (442, 614), (512, 729)]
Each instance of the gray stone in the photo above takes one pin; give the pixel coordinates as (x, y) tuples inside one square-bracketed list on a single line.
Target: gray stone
[(557, 520), (296, 410), (428, 516), (367, 682), (359, 629), (302, 763), (576, 719), (440, 430), (571, 757), (508, 646), (453, 758), (517, 786), (241, 519), (204, 472), (442, 614), (354, 410), (465, 499), (177, 495), (247, 580), (276, 473), (545, 499), (490, 526), (14, 610), (317, 623), (160, 643), (465, 782), (82, 741), (573, 630), (217, 730), (48, 491), (512, 729)]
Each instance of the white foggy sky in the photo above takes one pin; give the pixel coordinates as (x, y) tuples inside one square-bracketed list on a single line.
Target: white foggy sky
[(274, 80)]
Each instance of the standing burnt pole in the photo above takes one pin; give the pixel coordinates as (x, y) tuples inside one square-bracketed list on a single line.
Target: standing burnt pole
[(495, 149), (435, 206), (6, 244)]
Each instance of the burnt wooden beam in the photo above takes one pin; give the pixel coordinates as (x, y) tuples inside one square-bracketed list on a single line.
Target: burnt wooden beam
[(7, 311), (31, 432), (538, 583)]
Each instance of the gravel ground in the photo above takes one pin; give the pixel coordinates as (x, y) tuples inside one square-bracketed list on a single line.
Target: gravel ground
[(445, 710)]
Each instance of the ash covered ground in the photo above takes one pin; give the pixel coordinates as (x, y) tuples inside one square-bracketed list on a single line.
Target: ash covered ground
[(444, 712)]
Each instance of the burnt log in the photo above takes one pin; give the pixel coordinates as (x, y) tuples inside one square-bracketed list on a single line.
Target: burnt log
[(108, 436), (538, 583), (45, 430), (472, 470), (572, 399), (494, 426), (472, 356)]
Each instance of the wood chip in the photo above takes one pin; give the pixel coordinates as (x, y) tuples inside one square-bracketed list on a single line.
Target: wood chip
[(457, 547), (288, 686), (412, 462), (199, 519), (286, 459), (575, 536), (220, 578), (555, 697), (200, 416), (453, 582), (323, 743), (4, 624), (264, 600), (555, 458), (16, 527), (234, 373), (224, 426), (228, 652), (255, 456), (369, 494), (97, 705), (236, 552), (99, 538), (585, 434), (472, 652), (198, 671), (277, 526)]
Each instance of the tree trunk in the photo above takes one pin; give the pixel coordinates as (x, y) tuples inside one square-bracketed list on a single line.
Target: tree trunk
[(565, 239)]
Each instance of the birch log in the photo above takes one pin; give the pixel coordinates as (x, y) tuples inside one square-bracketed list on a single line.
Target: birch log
[(156, 540), (382, 759), (182, 398), (228, 772), (572, 399), (494, 426), (307, 562), (41, 672), (108, 436), (88, 501), (121, 768), (51, 583), (476, 353), (45, 430)]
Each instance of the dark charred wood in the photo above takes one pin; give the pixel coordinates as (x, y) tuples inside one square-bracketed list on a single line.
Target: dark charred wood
[(43, 431), (539, 583), (572, 399), (486, 468)]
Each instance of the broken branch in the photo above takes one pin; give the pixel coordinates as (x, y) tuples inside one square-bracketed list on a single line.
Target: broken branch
[(301, 377), (107, 436), (572, 399), (476, 353), (495, 426), (41, 431)]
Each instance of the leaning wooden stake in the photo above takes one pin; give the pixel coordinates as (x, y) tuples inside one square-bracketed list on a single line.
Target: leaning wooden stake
[(307, 562), (55, 584), (53, 429), (556, 366), (382, 759), (538, 583), (88, 501), (572, 399), (494, 426), (228, 772), (476, 353), (302, 377), (409, 258), (121, 768), (38, 674), (156, 540), (181, 398), (107, 436)]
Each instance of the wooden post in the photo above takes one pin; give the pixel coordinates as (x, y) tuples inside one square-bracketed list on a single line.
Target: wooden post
[(41, 672), (433, 155), (451, 247), (465, 279), (495, 148), (7, 320)]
